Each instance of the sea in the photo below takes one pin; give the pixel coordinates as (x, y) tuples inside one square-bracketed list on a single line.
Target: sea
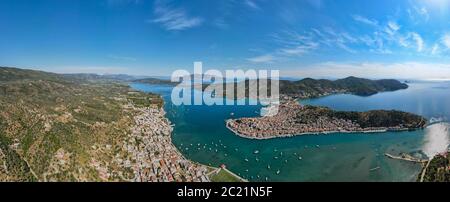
[(200, 134)]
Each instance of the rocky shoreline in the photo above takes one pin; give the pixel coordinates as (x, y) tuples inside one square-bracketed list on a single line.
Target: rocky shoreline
[(295, 119)]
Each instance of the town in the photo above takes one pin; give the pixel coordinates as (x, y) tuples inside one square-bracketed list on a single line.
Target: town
[(294, 118), (151, 154)]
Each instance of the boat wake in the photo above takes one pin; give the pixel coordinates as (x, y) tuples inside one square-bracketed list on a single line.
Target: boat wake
[(436, 139)]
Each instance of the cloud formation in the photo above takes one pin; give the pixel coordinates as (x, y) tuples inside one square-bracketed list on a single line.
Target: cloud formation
[(174, 18)]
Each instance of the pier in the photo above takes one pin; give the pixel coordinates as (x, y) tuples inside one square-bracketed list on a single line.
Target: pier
[(406, 157)]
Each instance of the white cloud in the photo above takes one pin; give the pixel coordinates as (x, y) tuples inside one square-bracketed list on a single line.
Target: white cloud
[(365, 20), (252, 4), (262, 59), (300, 50), (174, 18), (435, 49), (418, 14), (446, 40), (393, 26), (419, 41), (406, 70)]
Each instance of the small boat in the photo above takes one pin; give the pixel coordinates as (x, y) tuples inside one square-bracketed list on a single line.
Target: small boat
[(246, 170), (256, 152), (299, 158), (278, 172), (225, 147), (268, 167), (232, 114), (275, 157), (286, 161), (226, 154), (246, 160), (187, 149), (281, 153), (216, 150), (317, 146), (257, 176), (236, 149), (267, 179), (374, 169)]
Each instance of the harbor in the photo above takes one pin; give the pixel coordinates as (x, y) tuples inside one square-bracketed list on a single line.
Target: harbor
[(336, 154)]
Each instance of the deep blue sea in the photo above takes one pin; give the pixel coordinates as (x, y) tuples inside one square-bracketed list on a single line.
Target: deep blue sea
[(200, 134)]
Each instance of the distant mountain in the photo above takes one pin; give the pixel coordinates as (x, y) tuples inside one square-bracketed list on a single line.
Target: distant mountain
[(194, 77), (114, 77), (155, 81), (364, 87)]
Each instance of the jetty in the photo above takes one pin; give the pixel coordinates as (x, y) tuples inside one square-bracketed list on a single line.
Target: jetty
[(406, 157)]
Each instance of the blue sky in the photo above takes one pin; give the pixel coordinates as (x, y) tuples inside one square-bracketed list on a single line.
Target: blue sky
[(301, 38)]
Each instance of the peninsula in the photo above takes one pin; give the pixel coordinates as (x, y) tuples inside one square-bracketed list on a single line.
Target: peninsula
[(294, 118)]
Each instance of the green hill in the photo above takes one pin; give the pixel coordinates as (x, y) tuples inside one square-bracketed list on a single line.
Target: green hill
[(313, 88), (63, 128)]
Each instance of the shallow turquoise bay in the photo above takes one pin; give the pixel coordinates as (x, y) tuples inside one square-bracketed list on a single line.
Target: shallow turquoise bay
[(200, 134)]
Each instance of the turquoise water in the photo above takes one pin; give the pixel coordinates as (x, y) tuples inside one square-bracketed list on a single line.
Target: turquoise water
[(200, 134)]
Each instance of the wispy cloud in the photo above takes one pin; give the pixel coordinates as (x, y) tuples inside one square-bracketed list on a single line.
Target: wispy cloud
[(252, 4), (419, 41), (393, 26), (174, 18), (295, 44), (365, 20), (436, 49), (418, 14), (446, 40), (262, 59)]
